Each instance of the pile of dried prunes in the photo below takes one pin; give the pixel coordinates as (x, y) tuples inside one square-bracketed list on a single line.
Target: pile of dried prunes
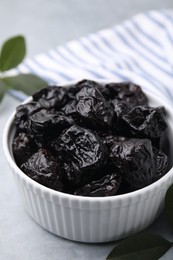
[(91, 139)]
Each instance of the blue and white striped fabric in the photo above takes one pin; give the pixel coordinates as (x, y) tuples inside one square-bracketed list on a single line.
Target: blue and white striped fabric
[(139, 50)]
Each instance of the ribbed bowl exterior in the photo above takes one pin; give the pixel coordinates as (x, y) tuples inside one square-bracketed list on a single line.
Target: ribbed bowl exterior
[(88, 219), (92, 220)]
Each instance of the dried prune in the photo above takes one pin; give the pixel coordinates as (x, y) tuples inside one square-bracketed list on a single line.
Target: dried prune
[(59, 123), (83, 146), (87, 83), (109, 140), (107, 186), (46, 125), (91, 105), (91, 139), (23, 147), (81, 151), (71, 92), (146, 122), (51, 97), (70, 173), (69, 109), (40, 121), (134, 159), (161, 164), (22, 114), (127, 92), (92, 84), (43, 168), (92, 110), (120, 109)]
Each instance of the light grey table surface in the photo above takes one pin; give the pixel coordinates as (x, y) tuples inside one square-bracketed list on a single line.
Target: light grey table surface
[(47, 24)]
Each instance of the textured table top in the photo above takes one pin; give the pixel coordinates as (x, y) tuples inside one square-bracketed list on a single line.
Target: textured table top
[(47, 24)]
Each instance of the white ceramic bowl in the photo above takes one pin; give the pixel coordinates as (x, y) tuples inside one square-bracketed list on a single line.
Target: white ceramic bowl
[(88, 219)]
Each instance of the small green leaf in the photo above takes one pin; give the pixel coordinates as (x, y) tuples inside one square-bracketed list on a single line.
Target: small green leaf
[(12, 53), (169, 205), (141, 246), (27, 83), (2, 89)]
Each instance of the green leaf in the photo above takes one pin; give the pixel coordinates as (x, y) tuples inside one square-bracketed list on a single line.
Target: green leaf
[(2, 89), (141, 246), (27, 83), (12, 53), (169, 205)]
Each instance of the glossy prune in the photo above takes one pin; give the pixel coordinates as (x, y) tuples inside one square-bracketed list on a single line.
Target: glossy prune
[(43, 168), (72, 91), (161, 164), (46, 125), (90, 109), (120, 109), (107, 186), (55, 96), (22, 114), (52, 97), (133, 158), (82, 145), (80, 150), (109, 140), (127, 92), (70, 173), (23, 147), (146, 122), (91, 139), (40, 121), (69, 109), (92, 84), (87, 83)]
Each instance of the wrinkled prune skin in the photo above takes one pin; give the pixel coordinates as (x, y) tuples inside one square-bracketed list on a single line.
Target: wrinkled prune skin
[(52, 97), (83, 146), (162, 142), (91, 139), (87, 83), (23, 147), (91, 109), (134, 160), (43, 168), (81, 151), (70, 109), (120, 109), (146, 122), (22, 114), (106, 186), (127, 92), (71, 92), (40, 121), (70, 173), (46, 125), (109, 140), (92, 84), (161, 164)]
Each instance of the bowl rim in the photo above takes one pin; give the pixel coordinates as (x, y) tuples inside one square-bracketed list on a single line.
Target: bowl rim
[(62, 195)]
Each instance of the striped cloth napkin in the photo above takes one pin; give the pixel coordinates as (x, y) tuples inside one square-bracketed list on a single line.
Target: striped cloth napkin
[(139, 50)]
